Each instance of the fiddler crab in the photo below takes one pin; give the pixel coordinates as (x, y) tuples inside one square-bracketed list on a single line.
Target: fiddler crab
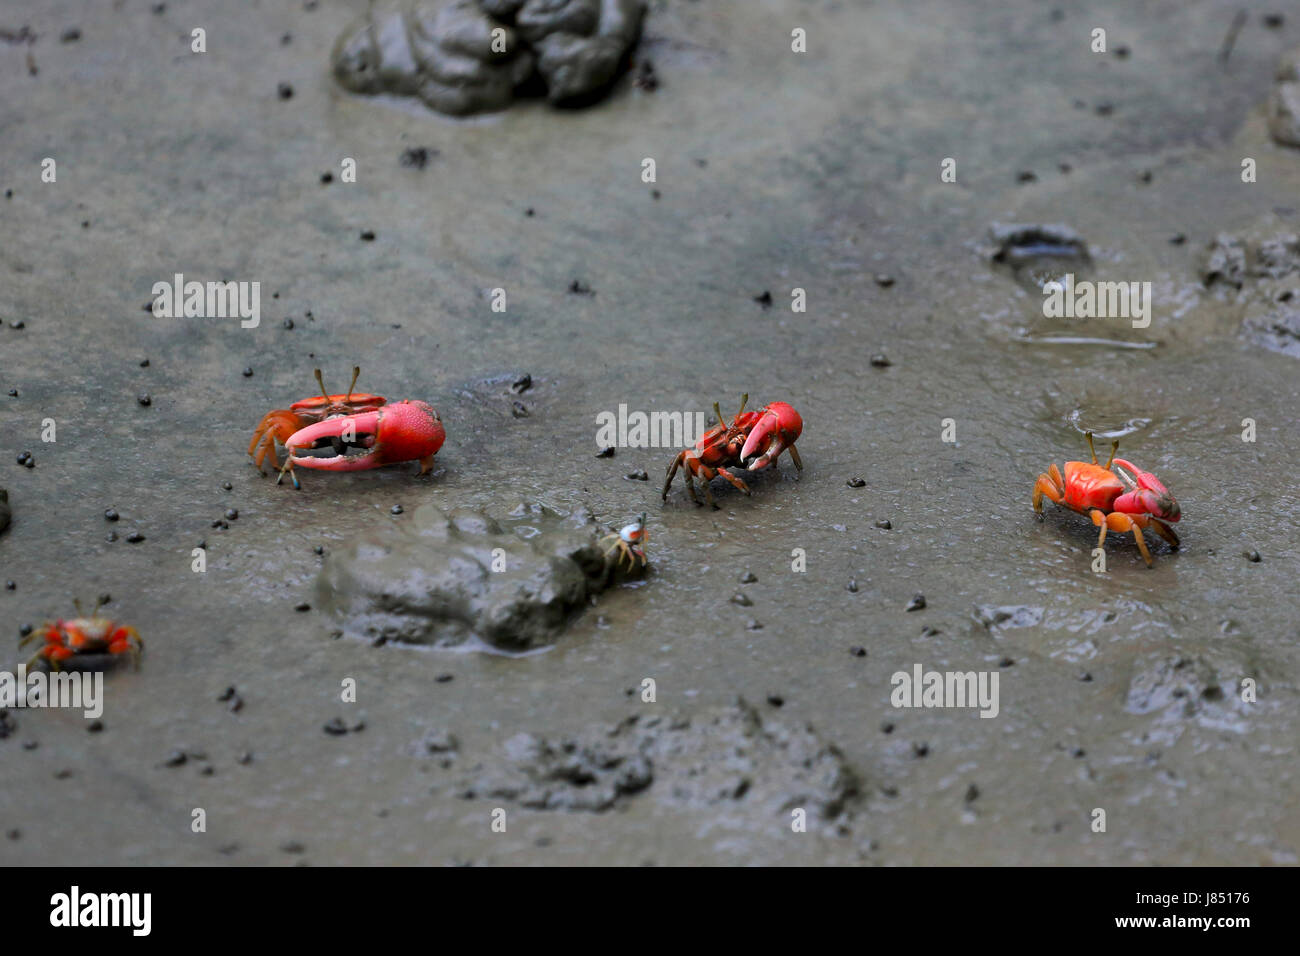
[(408, 430), (83, 635), (629, 542), (1133, 501), (752, 440)]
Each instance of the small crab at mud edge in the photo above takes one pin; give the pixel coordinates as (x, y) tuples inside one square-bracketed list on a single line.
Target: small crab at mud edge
[(1134, 500), (408, 430), (83, 635), (629, 542), (753, 440)]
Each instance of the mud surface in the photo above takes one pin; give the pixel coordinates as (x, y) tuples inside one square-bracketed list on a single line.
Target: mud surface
[(775, 172)]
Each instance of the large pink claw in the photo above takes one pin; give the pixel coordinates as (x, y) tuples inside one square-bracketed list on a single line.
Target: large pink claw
[(777, 429), (403, 431), (1147, 495)]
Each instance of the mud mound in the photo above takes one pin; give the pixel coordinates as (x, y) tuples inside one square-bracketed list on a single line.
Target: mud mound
[(472, 56), (447, 578)]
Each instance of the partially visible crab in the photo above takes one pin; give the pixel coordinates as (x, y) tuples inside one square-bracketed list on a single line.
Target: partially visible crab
[(83, 635), (630, 543)]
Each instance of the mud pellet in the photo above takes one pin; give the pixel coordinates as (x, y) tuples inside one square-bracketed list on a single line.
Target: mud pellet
[(917, 603), (606, 452), (852, 586), (856, 482), (13, 393), (776, 700), (858, 651), (1253, 556), (304, 606), (741, 599), (921, 749), (884, 524), (145, 399), (637, 476), (248, 371), (326, 178), (765, 299), (368, 235), (11, 585), (884, 280), (880, 360), (285, 91), (176, 758), (335, 727), (396, 509), (111, 536), (226, 486), (748, 578), (135, 537), (972, 793), (95, 727)]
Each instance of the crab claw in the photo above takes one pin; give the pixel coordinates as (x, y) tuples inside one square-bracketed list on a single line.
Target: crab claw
[(403, 431), (1146, 495), (777, 429)]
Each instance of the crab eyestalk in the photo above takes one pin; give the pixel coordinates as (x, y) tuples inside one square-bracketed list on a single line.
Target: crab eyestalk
[(1146, 495), (777, 429)]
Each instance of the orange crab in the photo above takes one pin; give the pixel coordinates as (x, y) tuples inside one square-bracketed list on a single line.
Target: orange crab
[(1133, 501), (408, 430), (83, 635), (753, 440)]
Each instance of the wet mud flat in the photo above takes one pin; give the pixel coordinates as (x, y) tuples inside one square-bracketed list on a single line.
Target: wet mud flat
[(1120, 691)]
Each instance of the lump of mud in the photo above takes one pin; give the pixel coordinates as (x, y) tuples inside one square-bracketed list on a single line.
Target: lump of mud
[(446, 578), (726, 756), (472, 56), (1264, 266), (1178, 689), (1038, 253), (1284, 103)]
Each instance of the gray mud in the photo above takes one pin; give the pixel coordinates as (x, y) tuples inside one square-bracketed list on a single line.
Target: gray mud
[(776, 171), (471, 56), (445, 579)]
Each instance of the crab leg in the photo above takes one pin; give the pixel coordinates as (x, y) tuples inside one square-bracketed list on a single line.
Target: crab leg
[(734, 480)]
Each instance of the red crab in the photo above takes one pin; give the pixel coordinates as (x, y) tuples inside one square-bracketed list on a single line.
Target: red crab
[(1136, 502), (403, 431), (83, 635), (752, 440)]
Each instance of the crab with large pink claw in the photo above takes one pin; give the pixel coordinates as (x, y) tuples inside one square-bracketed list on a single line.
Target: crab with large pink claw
[(409, 430)]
